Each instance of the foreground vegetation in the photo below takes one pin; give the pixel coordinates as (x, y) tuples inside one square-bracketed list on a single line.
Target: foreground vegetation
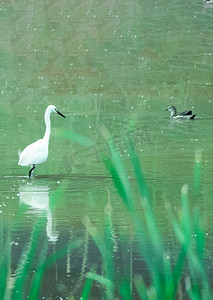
[(165, 274)]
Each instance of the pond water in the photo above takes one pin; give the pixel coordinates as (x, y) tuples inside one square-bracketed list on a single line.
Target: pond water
[(111, 67)]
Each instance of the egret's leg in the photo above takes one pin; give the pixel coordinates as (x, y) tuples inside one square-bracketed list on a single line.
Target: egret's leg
[(31, 170)]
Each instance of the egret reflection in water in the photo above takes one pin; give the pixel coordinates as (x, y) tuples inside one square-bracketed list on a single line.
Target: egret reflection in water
[(37, 198)]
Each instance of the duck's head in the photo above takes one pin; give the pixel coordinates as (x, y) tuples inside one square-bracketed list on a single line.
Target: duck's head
[(172, 109)]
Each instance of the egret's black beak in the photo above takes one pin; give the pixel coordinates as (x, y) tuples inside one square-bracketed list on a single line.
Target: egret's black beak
[(58, 112), (166, 109)]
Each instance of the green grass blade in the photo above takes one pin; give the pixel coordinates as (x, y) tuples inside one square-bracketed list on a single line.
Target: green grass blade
[(26, 261), (108, 263), (121, 183), (101, 279), (95, 234), (5, 265), (34, 291), (197, 172), (87, 289), (141, 288), (200, 237), (186, 219), (138, 172), (125, 290), (77, 138), (104, 244)]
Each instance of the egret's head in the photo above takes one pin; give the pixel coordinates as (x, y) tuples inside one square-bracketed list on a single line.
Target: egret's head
[(52, 108)]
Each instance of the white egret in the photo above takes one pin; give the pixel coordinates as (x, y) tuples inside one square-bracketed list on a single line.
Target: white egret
[(37, 152)]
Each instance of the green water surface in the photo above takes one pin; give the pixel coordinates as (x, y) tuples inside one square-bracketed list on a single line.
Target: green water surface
[(111, 67)]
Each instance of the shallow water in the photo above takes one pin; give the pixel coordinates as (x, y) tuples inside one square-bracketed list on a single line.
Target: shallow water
[(111, 68)]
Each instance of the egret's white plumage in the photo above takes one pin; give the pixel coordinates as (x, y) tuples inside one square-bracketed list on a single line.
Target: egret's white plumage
[(37, 152)]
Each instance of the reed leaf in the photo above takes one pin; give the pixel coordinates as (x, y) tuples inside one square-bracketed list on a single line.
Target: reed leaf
[(5, 265), (77, 138), (26, 261), (141, 288), (36, 283), (87, 289)]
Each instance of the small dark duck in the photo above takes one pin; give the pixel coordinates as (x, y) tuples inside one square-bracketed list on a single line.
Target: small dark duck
[(208, 1), (185, 115)]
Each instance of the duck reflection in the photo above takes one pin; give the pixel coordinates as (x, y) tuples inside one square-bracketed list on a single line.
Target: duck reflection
[(37, 198)]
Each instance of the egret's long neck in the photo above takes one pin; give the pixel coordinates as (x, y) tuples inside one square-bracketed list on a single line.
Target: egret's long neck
[(48, 127)]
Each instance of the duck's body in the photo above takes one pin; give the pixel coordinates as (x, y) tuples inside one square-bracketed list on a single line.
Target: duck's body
[(185, 115), (208, 1), (37, 152)]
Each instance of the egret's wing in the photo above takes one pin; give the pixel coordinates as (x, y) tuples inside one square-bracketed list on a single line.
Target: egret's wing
[(39, 156), (35, 153)]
